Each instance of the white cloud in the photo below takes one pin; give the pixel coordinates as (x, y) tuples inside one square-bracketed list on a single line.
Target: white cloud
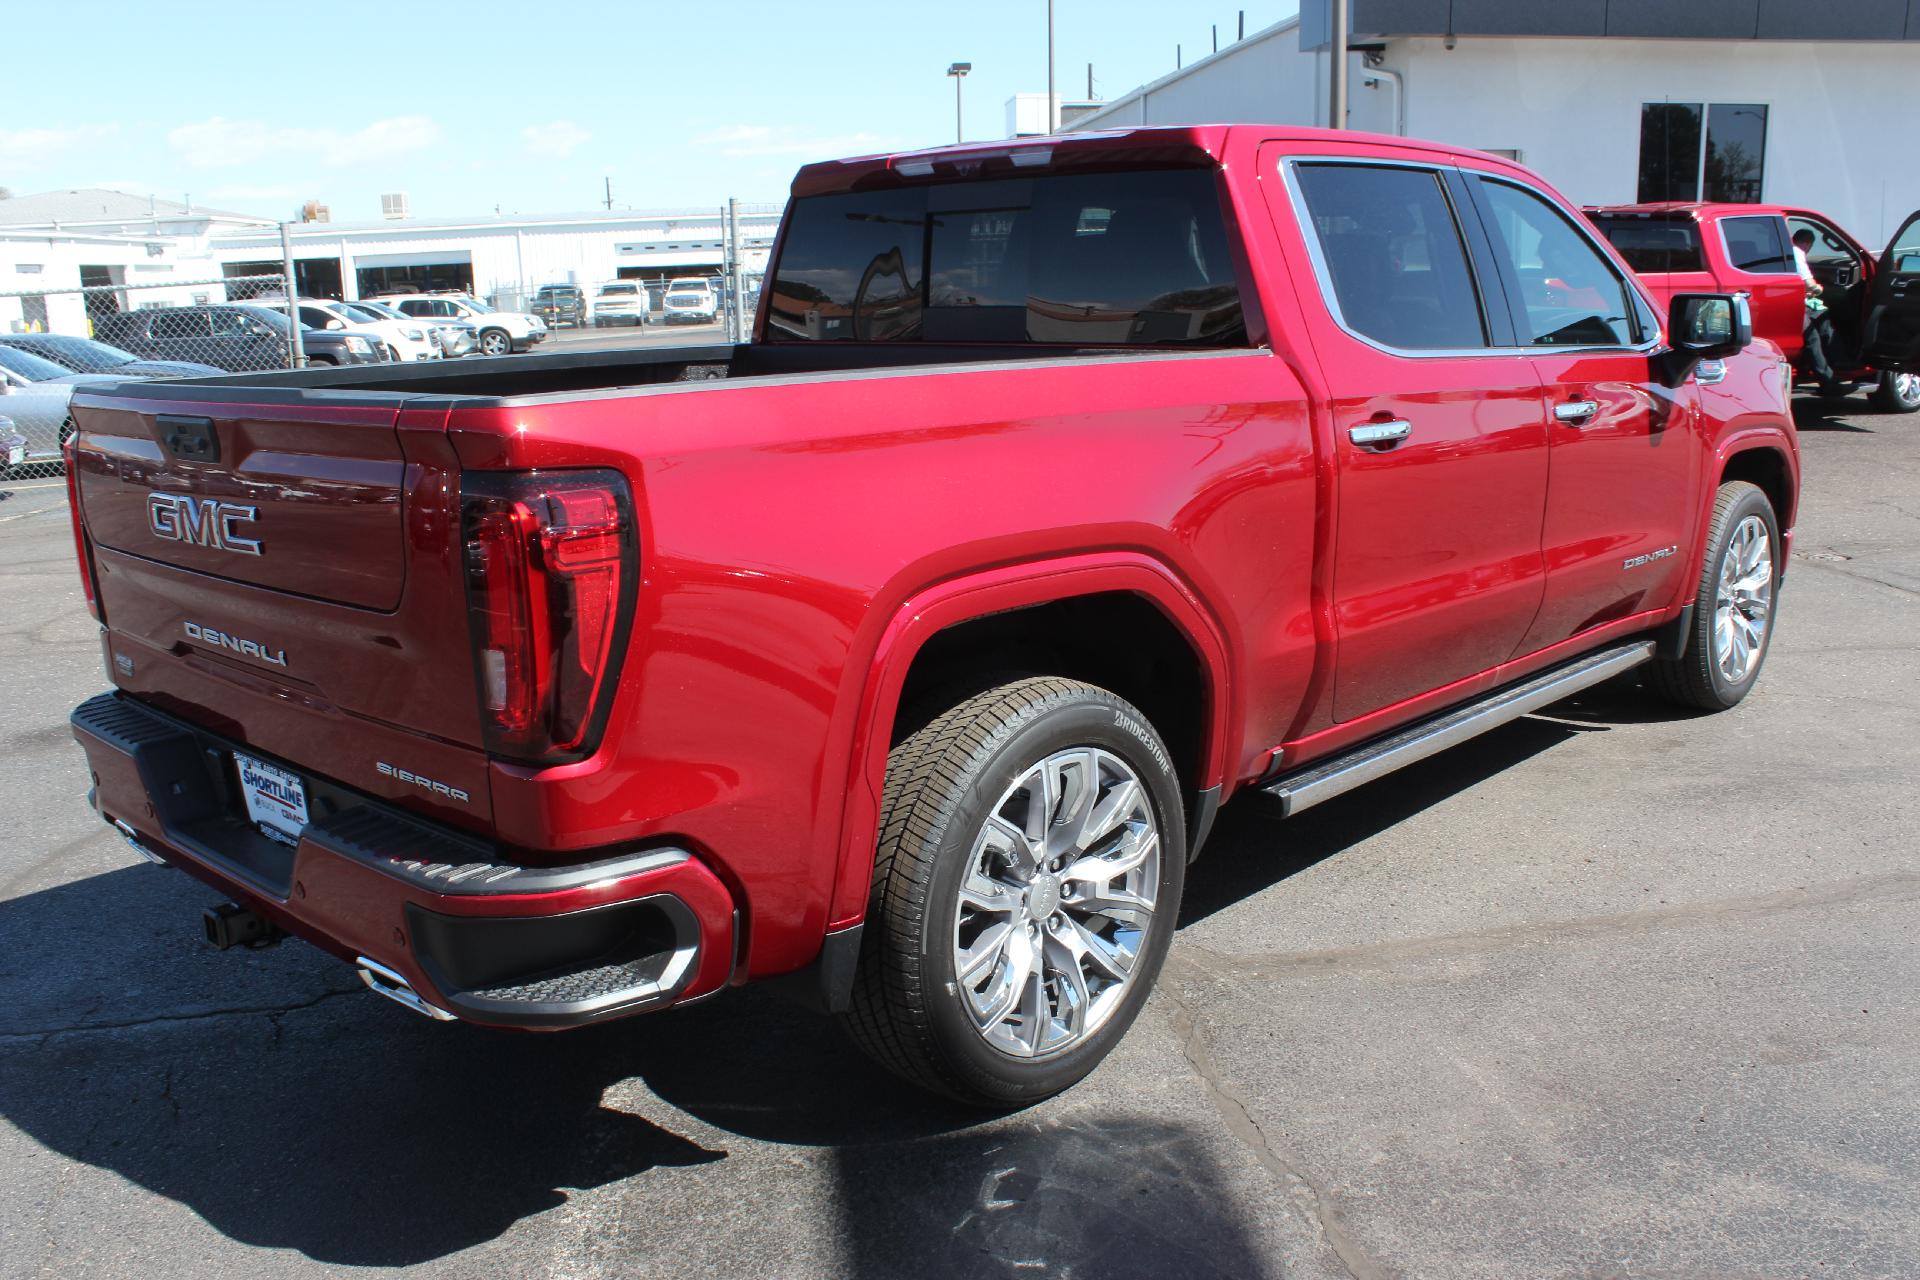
[(557, 139), (738, 140), (218, 142), (24, 146)]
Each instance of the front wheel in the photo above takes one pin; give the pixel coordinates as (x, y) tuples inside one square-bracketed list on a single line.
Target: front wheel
[(1029, 871), (1897, 393), (495, 342), (1733, 607)]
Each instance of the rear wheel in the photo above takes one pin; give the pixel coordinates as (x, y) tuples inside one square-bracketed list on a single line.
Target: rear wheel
[(1029, 871), (1733, 607), (1897, 393)]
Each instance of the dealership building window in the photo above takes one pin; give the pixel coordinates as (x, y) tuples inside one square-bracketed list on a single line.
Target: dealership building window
[(1702, 151)]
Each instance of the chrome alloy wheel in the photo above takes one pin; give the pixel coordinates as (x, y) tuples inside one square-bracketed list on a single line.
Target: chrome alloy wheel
[(1743, 601), (1906, 386), (1057, 900)]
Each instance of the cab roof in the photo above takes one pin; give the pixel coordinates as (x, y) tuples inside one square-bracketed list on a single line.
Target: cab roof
[(1159, 146), (1701, 210)]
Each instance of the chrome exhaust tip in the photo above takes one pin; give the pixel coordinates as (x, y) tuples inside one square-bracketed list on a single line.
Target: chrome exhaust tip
[(132, 837), (386, 982)]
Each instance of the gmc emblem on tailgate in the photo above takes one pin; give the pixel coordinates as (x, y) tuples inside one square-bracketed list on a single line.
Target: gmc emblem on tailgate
[(203, 522)]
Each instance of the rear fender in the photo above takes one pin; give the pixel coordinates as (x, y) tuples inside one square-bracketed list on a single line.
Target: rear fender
[(946, 604)]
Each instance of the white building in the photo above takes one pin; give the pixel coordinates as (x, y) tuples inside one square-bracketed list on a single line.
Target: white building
[(504, 258), (1799, 102), (126, 247)]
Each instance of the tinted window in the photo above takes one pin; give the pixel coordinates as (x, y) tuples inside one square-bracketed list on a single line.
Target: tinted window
[(170, 323), (1903, 255), (415, 306), (1570, 294), (1137, 259), (1669, 151), (1758, 245), (1736, 148), (1393, 253), (1655, 244)]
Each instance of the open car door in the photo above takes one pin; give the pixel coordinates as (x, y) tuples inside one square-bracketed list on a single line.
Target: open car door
[(1892, 332)]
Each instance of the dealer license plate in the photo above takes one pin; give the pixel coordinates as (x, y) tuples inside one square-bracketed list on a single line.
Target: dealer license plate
[(276, 799), (16, 455)]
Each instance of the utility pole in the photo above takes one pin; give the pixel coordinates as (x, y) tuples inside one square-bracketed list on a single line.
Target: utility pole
[(609, 193), (1337, 81), (1089, 82), (1053, 98), (1216, 37), (296, 349), (959, 72), (1243, 26), (736, 275)]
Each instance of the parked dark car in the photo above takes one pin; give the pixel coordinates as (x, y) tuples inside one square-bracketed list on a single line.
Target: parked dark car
[(235, 337), (559, 305), (84, 355)]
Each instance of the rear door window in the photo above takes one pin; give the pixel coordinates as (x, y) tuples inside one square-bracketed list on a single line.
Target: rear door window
[(1393, 255), (1122, 259), (1759, 245), (1568, 291)]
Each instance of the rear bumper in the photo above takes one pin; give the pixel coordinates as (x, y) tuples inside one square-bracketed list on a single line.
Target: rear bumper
[(477, 937)]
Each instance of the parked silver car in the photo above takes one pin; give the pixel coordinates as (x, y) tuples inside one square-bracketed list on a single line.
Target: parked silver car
[(37, 392)]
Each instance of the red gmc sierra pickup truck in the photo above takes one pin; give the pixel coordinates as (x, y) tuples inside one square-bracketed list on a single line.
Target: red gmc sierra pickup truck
[(904, 654)]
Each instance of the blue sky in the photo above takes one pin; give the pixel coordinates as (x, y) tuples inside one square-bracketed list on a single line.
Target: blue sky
[(530, 106)]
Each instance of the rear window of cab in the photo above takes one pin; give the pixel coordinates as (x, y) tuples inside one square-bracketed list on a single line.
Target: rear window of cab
[(1136, 258), (1653, 244)]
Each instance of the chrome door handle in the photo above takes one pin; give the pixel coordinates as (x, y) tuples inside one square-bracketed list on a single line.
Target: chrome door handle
[(1576, 412), (1380, 435), (1709, 372)]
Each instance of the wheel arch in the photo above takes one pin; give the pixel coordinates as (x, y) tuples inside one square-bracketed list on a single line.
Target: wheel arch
[(1763, 460), (982, 625)]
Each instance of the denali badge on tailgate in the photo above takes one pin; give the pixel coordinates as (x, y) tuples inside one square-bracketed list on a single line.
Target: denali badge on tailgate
[(247, 648), (205, 522)]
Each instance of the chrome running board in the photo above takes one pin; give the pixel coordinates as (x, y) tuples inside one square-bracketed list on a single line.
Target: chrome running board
[(1325, 779)]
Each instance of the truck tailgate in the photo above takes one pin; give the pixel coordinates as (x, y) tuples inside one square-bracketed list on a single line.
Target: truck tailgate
[(290, 575)]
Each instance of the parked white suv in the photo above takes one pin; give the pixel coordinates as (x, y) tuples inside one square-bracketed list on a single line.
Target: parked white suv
[(500, 331), (690, 301)]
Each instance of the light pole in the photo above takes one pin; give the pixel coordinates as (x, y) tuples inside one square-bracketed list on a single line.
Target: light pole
[(1053, 100), (959, 72)]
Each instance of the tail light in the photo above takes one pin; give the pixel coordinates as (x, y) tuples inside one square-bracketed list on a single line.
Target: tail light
[(82, 546), (551, 574)]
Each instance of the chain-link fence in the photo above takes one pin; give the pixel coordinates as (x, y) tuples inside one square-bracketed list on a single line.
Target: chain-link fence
[(56, 340)]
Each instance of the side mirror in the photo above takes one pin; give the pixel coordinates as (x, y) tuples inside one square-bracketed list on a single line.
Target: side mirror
[(1704, 326)]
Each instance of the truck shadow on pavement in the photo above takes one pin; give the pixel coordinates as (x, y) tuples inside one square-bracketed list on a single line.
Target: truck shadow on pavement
[(288, 1109)]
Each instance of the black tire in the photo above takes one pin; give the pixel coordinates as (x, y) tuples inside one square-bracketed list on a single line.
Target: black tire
[(1897, 393), (943, 783), (1695, 679), (495, 342)]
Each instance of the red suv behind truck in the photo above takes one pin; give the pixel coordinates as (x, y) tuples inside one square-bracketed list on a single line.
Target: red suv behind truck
[(903, 655), (1874, 304)]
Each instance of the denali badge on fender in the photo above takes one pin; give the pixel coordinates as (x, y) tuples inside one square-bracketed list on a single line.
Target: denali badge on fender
[(438, 788), (247, 648), (205, 522)]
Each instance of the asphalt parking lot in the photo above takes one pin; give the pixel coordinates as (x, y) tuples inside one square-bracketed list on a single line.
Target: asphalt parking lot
[(1609, 993)]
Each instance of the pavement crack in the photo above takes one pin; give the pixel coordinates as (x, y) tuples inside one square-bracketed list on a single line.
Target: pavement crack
[(163, 1019), (1314, 1203)]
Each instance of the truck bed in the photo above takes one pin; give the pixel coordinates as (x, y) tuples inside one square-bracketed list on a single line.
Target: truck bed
[(562, 374)]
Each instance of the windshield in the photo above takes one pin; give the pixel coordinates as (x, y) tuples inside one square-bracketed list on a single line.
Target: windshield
[(610, 290), (383, 311), (83, 354), (29, 366), (366, 315), (476, 305)]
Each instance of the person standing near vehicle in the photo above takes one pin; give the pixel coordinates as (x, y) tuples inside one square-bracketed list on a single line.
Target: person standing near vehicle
[(1818, 326)]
